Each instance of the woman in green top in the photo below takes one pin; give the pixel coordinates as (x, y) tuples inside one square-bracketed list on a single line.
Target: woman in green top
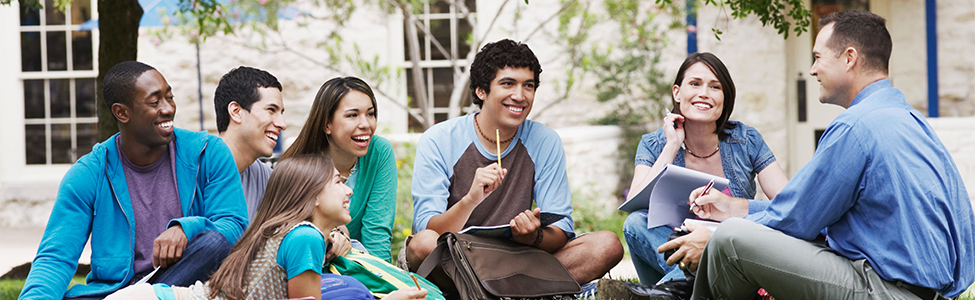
[(341, 125)]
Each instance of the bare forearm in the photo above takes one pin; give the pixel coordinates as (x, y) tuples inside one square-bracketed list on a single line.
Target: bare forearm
[(454, 218)]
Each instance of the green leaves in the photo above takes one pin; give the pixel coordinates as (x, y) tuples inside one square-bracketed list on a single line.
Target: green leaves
[(780, 14)]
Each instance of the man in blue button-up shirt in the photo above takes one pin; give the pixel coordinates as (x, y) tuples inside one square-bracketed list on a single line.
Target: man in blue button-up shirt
[(881, 187)]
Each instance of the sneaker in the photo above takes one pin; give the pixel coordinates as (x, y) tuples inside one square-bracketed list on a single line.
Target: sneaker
[(609, 289), (588, 291)]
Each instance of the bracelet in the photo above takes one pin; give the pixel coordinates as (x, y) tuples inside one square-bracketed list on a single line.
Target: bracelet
[(538, 238)]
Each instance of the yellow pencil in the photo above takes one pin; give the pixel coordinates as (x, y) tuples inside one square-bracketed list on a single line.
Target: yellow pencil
[(417, 283), (497, 136)]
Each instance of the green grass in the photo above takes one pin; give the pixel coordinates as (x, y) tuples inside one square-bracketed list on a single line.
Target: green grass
[(10, 288)]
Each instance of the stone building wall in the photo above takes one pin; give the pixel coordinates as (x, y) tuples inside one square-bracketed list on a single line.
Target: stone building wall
[(956, 58)]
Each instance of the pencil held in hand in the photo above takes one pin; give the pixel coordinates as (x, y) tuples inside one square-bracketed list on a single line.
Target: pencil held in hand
[(417, 283), (497, 138), (707, 188)]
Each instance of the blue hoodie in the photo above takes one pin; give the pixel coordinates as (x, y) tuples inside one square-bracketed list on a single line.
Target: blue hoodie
[(93, 199)]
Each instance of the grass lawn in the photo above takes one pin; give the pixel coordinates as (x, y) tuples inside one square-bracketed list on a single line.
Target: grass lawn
[(10, 288)]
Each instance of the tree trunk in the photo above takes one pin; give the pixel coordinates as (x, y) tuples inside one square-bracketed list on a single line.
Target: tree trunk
[(419, 82), (118, 24)]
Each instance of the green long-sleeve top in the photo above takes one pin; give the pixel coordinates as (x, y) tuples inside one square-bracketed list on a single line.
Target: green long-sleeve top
[(373, 201)]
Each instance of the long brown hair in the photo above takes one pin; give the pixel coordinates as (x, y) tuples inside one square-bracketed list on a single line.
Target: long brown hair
[(312, 138), (288, 200)]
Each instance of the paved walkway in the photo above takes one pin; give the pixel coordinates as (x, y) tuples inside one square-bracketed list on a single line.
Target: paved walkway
[(18, 246)]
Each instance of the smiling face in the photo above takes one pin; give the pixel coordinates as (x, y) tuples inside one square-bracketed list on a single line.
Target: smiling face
[(149, 117), (352, 126), (332, 204), (261, 126), (700, 94), (511, 97), (831, 70)]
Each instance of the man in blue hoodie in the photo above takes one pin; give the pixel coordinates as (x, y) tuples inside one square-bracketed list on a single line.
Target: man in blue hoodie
[(151, 197)]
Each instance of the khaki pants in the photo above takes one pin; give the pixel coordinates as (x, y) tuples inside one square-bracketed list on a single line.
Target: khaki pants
[(742, 256)]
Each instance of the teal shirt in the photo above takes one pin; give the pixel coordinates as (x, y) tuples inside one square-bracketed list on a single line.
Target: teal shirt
[(373, 201)]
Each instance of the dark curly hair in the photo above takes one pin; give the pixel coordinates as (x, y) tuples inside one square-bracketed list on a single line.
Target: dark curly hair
[(496, 56), (119, 83), (242, 85)]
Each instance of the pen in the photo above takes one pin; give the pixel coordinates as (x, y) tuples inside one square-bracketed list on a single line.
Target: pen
[(707, 188), (497, 138), (417, 283)]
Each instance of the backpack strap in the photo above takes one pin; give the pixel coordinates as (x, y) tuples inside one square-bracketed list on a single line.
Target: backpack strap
[(433, 260)]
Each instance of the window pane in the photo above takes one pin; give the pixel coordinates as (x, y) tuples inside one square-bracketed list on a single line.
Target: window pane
[(53, 14), (57, 58), (84, 99), (410, 91), (81, 11), (30, 51), (34, 99), (60, 98), (439, 117), (29, 16), (61, 151), (441, 31), (463, 36), (440, 7), (471, 5), (443, 85), (81, 50), (36, 149), (87, 133)]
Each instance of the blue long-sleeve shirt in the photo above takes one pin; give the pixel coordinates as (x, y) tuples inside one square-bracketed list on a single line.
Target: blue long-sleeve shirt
[(885, 189)]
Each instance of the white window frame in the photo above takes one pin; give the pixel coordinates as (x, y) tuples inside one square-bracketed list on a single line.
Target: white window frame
[(427, 63), (17, 179), (72, 120)]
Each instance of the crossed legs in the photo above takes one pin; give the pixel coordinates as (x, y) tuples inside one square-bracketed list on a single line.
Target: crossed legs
[(587, 256)]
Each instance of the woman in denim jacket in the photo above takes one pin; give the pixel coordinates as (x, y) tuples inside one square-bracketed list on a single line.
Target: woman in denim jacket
[(697, 135)]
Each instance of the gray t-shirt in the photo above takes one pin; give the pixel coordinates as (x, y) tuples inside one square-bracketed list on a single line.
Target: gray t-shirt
[(155, 201), (254, 179)]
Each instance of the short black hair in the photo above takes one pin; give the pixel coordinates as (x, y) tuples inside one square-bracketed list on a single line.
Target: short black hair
[(863, 30), (119, 83), (241, 85), (496, 56)]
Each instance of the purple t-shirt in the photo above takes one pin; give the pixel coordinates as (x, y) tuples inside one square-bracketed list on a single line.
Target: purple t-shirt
[(155, 201)]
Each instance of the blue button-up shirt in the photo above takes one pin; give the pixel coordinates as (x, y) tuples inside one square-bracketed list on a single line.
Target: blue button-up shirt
[(885, 189)]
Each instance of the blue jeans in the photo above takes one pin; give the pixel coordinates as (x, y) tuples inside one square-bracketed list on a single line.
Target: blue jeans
[(650, 266), (203, 255)]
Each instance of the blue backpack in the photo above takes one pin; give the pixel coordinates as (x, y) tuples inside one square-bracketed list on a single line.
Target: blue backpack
[(341, 287)]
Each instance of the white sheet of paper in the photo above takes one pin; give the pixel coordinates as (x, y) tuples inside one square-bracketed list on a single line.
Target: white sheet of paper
[(665, 197), (712, 225), (148, 276), (668, 205)]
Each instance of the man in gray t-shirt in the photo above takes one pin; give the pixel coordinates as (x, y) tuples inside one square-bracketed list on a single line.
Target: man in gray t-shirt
[(249, 111)]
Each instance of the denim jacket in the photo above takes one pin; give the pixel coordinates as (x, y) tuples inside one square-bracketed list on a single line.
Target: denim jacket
[(743, 155)]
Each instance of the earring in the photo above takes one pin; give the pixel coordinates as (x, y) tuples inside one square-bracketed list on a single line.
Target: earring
[(316, 203)]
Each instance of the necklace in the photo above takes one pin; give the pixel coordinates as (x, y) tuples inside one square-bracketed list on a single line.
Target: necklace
[(701, 157), (355, 168), (478, 126)]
